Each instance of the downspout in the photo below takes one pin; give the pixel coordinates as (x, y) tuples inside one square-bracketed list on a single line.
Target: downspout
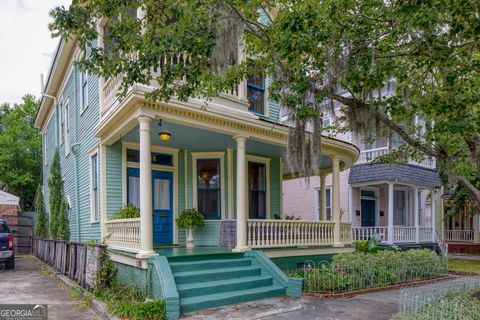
[(75, 149)]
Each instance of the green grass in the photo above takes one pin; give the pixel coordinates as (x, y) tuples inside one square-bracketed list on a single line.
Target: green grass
[(467, 266)]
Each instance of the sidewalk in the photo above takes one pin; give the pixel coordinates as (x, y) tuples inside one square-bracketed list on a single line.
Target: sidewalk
[(26, 284)]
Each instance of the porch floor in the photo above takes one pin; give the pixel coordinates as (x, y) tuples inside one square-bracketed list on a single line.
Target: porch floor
[(197, 251)]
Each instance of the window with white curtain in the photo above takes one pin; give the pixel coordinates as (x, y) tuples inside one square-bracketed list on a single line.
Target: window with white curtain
[(133, 192), (161, 194)]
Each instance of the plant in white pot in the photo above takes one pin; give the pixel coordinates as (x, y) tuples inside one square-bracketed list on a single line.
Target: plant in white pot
[(188, 220)]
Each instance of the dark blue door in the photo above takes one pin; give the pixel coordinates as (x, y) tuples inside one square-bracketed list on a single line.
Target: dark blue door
[(368, 213), (162, 196)]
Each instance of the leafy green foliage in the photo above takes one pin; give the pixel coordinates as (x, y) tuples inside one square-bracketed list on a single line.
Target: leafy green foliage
[(361, 246), (190, 218), (106, 277), (426, 53), (41, 227), (20, 151), (59, 224), (355, 271), (127, 212)]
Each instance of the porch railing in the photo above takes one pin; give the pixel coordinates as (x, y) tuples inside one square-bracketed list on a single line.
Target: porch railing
[(459, 235), (285, 233), (426, 234), (365, 233), (346, 232), (124, 234), (403, 234), (400, 234), (371, 154)]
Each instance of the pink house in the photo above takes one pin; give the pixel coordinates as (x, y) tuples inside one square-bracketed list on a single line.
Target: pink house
[(394, 201)]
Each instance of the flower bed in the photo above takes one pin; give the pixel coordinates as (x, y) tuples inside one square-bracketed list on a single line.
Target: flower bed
[(357, 271)]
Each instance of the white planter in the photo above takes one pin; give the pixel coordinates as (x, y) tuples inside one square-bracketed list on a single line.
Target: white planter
[(190, 240)]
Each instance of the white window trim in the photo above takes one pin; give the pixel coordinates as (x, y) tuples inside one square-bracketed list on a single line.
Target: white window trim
[(62, 121), (209, 155), (377, 205), (317, 202), (94, 152), (67, 127), (266, 161), (84, 104)]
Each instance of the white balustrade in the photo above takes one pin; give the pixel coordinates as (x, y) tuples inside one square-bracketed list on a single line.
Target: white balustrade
[(346, 232), (288, 233), (403, 234), (372, 154), (365, 233), (425, 234), (459, 235), (124, 234), (110, 92)]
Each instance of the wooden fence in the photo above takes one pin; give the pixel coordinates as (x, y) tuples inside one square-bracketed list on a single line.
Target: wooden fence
[(23, 226), (78, 261)]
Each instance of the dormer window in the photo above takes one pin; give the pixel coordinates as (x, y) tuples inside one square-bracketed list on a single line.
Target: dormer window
[(256, 93)]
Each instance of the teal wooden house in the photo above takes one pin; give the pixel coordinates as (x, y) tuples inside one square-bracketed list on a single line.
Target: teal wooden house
[(225, 160)]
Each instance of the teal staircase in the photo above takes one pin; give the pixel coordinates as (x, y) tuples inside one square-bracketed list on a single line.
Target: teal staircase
[(209, 281)]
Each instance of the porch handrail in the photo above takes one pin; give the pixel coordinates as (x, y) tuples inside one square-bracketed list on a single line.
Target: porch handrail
[(459, 235), (425, 234), (124, 234), (346, 232), (365, 233), (272, 233), (404, 234), (369, 155)]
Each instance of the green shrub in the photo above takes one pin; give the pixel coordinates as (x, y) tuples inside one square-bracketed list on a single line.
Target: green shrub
[(354, 271), (128, 211), (361, 246), (190, 218)]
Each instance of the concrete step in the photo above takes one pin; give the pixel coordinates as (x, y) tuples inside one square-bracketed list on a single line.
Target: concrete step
[(209, 264), (211, 287), (232, 297), (215, 274)]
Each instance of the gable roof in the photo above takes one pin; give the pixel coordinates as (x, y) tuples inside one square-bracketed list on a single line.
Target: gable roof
[(9, 199)]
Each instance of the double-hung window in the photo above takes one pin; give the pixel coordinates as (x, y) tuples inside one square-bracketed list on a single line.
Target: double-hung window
[(45, 147), (67, 128), (94, 188), (256, 93), (209, 188), (257, 190), (62, 123), (328, 202), (83, 90)]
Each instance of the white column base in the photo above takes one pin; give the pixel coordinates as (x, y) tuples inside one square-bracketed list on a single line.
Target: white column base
[(145, 254), (241, 249)]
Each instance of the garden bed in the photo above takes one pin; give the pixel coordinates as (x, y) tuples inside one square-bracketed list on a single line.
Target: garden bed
[(353, 273)]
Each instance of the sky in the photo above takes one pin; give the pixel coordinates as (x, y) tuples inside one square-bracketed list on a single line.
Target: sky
[(26, 46)]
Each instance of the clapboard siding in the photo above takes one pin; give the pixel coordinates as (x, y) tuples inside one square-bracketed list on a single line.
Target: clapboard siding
[(114, 178)]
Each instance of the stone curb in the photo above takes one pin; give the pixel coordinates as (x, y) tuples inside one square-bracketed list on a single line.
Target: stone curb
[(96, 306), (371, 290)]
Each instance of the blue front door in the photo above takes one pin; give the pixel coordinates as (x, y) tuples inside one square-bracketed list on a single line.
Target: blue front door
[(162, 197), (368, 213)]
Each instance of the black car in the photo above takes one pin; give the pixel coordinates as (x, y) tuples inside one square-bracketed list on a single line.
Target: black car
[(7, 256)]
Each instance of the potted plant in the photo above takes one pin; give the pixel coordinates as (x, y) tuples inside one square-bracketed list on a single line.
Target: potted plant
[(128, 211), (189, 219)]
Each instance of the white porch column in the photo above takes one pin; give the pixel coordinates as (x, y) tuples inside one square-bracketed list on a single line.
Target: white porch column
[(323, 197), (390, 213), (433, 216), (416, 216), (146, 221), (336, 200), (241, 195)]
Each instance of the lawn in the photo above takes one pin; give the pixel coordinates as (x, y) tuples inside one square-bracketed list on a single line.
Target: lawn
[(467, 266)]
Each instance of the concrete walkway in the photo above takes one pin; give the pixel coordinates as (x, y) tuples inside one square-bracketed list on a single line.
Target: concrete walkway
[(378, 306), (27, 284)]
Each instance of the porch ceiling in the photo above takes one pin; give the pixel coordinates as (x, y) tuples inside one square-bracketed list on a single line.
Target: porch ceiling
[(196, 139)]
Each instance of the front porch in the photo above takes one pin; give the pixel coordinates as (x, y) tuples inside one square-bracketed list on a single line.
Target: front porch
[(229, 168), (398, 213)]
